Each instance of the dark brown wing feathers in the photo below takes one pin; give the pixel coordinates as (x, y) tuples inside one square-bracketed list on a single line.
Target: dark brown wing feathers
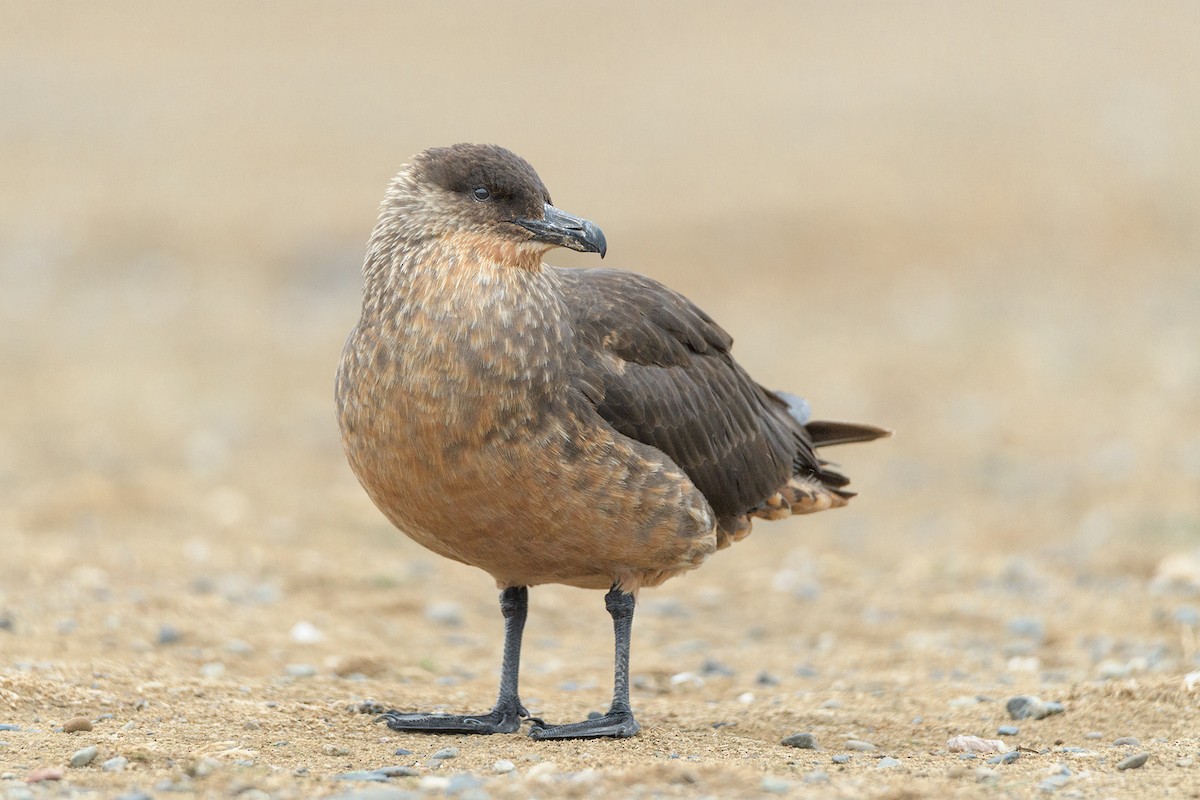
[(658, 370)]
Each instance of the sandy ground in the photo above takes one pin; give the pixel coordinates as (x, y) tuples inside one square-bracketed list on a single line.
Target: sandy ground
[(977, 227)]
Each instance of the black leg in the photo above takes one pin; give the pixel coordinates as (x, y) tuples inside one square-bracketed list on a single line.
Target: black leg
[(618, 722), (506, 716)]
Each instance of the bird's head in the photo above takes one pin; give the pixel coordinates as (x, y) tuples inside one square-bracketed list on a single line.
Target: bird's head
[(490, 198)]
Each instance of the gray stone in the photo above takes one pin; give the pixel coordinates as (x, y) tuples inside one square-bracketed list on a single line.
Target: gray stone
[(1029, 627), (397, 772), (804, 741), (1008, 730), (713, 667), (300, 670), (115, 764), (446, 752), (1029, 707), (462, 782), (841, 758), (859, 745), (376, 793), (169, 634), (1054, 783), (1005, 758), (361, 775), (775, 785), (81, 758), (887, 762), (1126, 741), (1134, 761)]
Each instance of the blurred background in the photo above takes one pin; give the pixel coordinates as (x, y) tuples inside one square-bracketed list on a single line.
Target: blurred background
[(976, 224)]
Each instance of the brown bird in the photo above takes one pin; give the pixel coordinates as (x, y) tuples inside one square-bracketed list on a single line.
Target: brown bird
[(548, 425)]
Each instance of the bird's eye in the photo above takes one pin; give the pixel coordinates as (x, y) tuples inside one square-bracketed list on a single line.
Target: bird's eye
[(481, 193)]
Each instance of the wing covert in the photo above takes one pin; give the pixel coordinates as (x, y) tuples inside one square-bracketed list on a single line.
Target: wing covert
[(658, 370)]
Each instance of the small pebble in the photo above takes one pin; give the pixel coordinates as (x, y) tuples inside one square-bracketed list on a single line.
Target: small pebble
[(239, 647), (1007, 730), (400, 751), (804, 741), (975, 744), (446, 752), (77, 724), (887, 762), (369, 707), (8, 727), (397, 772), (45, 774), (1030, 627), (859, 745), (713, 667), (1186, 761), (1027, 706), (134, 794), (462, 782), (1126, 741), (433, 784), (766, 679), (1054, 783), (305, 632), (301, 670), (212, 669), (841, 758), (445, 612), (85, 756), (542, 771), (361, 775), (1187, 615), (203, 767), (168, 634), (1006, 758), (335, 750), (115, 764), (687, 680), (774, 785), (503, 767), (1133, 762)]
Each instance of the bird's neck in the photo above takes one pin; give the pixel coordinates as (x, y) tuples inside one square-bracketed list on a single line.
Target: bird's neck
[(445, 280)]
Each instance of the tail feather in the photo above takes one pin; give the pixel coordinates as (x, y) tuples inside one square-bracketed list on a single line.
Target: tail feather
[(826, 433)]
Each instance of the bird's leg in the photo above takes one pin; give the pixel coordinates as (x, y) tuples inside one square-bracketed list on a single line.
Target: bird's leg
[(508, 712), (618, 722)]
